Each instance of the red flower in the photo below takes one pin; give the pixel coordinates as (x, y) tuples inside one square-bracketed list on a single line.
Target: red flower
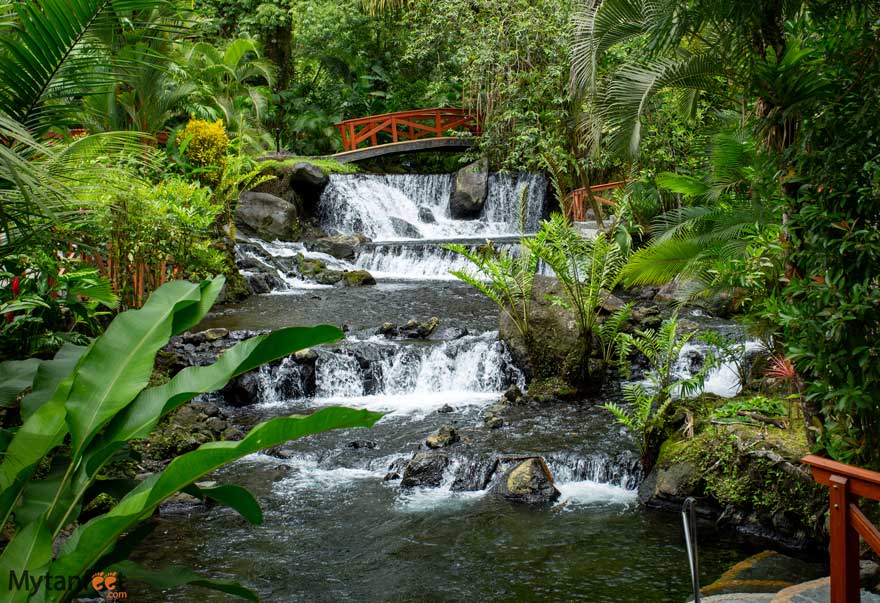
[(16, 286)]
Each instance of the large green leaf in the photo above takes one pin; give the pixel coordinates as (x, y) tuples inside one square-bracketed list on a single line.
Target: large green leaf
[(49, 375), (170, 577), (232, 496), (119, 363), (92, 540), (15, 377), (31, 551), (109, 378)]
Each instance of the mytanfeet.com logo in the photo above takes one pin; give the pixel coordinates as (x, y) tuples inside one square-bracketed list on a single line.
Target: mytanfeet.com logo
[(105, 584)]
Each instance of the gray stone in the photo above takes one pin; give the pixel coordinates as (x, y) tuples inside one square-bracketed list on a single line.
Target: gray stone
[(445, 436), (307, 355), (611, 303), (343, 247), (470, 191), (404, 229), (268, 216), (329, 277), (528, 482), (308, 174), (424, 470), (426, 216)]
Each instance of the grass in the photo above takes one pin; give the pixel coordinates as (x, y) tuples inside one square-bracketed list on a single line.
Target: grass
[(328, 166)]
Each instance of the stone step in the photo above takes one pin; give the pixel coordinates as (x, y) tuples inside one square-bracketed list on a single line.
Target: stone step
[(816, 591)]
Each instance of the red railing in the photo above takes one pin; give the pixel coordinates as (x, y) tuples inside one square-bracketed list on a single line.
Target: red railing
[(577, 200), (405, 125), (132, 277), (847, 484)]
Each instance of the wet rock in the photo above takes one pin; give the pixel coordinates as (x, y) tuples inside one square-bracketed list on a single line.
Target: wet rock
[(309, 266), (244, 390), (388, 329), (404, 229), (425, 469), (445, 436), (307, 355), (395, 470), (279, 452), (186, 429), (449, 334), (416, 330), (445, 409), (470, 191), (611, 303), (528, 482), (493, 422), (671, 483), (268, 216), (474, 475), (361, 445), (262, 283), (513, 394), (330, 277), (646, 317), (308, 174), (426, 216), (358, 278), (343, 247), (686, 325), (492, 418), (668, 292)]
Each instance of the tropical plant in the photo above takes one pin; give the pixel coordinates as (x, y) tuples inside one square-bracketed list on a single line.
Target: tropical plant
[(650, 406), (610, 331), (505, 278), (587, 269), (46, 301), (87, 403)]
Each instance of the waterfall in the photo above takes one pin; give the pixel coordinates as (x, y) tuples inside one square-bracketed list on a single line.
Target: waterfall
[(421, 260), (395, 207), (397, 376)]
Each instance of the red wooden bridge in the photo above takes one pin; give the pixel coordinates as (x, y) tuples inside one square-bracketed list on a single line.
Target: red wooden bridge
[(577, 200), (406, 132)]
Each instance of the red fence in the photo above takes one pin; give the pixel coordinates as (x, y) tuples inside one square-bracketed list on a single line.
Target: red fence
[(405, 125), (847, 484), (132, 277), (577, 200)]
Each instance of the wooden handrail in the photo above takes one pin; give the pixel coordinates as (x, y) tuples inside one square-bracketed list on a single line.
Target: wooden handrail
[(846, 485), (367, 129), (577, 199)]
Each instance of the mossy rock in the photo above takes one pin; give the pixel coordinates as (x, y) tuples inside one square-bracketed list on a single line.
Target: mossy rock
[(358, 278)]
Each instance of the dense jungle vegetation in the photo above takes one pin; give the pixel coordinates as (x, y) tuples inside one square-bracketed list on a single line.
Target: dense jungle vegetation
[(746, 132)]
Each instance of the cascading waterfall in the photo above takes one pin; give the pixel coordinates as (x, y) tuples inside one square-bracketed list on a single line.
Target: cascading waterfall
[(395, 207)]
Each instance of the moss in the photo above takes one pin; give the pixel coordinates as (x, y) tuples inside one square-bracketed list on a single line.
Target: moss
[(328, 166), (553, 387)]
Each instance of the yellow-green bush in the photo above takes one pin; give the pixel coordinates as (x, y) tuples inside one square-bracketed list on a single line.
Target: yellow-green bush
[(207, 142)]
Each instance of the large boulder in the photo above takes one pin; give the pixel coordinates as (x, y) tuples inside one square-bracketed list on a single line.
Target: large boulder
[(528, 482), (426, 216), (268, 216), (470, 191), (553, 329), (343, 247), (424, 470), (447, 435), (300, 183), (402, 228)]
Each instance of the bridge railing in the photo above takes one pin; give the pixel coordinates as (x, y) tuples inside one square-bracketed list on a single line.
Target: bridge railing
[(847, 484), (404, 126), (577, 200)]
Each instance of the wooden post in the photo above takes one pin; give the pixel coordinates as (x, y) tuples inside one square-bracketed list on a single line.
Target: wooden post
[(845, 585), (393, 128)]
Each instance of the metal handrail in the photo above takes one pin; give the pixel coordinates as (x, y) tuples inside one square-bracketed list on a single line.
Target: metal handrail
[(689, 520)]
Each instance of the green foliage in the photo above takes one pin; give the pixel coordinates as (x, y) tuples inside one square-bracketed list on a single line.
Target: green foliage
[(505, 278), (610, 331), (650, 407), (587, 269), (46, 301), (206, 144), (768, 407), (100, 404)]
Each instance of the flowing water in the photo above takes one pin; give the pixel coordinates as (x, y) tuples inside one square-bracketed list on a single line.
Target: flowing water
[(335, 530)]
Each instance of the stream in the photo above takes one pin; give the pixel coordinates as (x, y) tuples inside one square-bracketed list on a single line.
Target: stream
[(336, 530)]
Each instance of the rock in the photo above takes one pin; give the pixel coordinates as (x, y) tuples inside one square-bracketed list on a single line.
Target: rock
[(426, 216), (361, 445), (329, 277), (425, 469), (388, 329), (268, 216), (470, 191), (449, 334), (667, 293), (309, 266), (445, 436), (404, 229), (413, 329), (358, 278), (244, 390), (306, 356), (528, 482), (646, 317), (674, 482), (513, 394), (307, 174), (686, 325), (343, 247), (215, 334), (445, 409), (493, 422), (611, 303)]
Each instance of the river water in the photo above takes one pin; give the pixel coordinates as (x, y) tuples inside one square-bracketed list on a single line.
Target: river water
[(335, 530)]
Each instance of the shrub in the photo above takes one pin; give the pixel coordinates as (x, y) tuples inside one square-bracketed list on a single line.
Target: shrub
[(88, 403), (206, 144)]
